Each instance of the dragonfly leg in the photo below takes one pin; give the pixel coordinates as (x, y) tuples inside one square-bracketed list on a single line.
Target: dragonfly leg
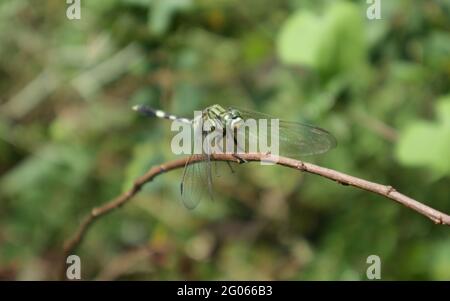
[(240, 159), (238, 149), (231, 167)]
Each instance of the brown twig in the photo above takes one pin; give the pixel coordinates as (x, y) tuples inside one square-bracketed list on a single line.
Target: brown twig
[(386, 191)]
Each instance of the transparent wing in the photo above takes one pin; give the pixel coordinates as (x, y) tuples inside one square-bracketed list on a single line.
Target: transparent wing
[(196, 183), (221, 168), (295, 139)]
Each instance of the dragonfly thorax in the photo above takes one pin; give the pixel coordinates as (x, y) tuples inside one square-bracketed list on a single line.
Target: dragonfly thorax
[(223, 118)]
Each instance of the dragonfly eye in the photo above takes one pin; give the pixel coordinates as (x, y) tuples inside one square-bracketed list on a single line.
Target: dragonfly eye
[(234, 114)]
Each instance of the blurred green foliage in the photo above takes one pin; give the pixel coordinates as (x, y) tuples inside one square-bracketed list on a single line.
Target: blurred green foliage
[(69, 140)]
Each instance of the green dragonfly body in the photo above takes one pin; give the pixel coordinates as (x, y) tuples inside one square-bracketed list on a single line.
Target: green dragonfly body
[(295, 140)]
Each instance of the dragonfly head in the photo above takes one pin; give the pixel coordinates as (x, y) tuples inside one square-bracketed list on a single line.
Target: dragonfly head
[(233, 118)]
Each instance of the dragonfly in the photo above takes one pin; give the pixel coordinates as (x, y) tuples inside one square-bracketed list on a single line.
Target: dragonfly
[(295, 140)]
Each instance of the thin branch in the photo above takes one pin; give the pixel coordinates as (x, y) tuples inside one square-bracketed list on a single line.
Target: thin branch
[(386, 191)]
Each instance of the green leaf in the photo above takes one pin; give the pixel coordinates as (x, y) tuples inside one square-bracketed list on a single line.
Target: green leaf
[(161, 12), (443, 110), (425, 144), (300, 39), (330, 44)]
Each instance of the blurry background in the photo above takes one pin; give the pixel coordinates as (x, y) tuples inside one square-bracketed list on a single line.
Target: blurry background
[(69, 140)]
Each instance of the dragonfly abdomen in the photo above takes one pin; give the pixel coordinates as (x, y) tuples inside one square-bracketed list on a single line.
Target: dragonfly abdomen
[(150, 112)]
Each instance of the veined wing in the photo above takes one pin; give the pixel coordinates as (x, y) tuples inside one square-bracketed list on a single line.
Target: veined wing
[(295, 139), (196, 183)]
